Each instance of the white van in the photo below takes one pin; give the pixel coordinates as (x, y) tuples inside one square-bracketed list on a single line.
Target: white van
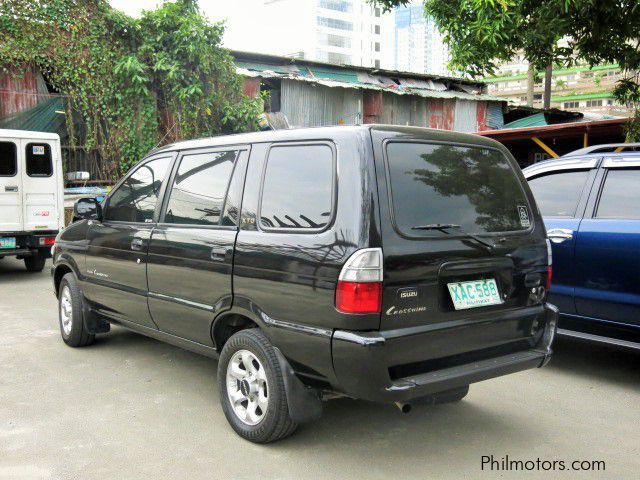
[(31, 195)]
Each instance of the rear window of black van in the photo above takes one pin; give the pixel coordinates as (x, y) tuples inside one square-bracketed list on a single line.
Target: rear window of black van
[(474, 189)]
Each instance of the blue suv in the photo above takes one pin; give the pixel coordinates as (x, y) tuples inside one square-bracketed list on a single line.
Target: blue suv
[(590, 201)]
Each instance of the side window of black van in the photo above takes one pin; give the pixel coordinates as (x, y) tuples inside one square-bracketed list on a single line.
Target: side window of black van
[(199, 188), (298, 187), (8, 159), (135, 199)]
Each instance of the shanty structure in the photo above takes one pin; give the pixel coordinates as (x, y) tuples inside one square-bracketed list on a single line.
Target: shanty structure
[(310, 93), (531, 144)]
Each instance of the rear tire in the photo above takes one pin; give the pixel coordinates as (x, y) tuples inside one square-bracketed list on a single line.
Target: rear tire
[(252, 391), (35, 263), (70, 313)]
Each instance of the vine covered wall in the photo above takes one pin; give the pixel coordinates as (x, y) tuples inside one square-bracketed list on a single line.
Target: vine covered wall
[(130, 84)]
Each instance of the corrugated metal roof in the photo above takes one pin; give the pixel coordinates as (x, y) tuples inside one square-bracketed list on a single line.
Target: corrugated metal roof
[(399, 83), (537, 120), (44, 117), (340, 81)]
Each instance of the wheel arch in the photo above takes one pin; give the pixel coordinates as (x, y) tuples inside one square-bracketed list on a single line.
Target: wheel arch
[(60, 270), (230, 322)]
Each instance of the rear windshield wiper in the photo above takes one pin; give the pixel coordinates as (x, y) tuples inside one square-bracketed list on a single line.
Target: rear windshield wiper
[(445, 227)]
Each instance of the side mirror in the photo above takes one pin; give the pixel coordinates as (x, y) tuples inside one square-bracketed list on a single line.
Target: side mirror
[(87, 209)]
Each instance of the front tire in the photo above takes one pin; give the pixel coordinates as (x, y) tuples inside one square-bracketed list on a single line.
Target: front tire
[(70, 313), (35, 263), (252, 391)]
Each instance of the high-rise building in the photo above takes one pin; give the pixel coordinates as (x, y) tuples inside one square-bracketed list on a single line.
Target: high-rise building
[(333, 31), (419, 45)]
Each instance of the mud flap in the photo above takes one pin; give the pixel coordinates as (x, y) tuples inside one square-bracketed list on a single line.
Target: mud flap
[(304, 403), (92, 321)]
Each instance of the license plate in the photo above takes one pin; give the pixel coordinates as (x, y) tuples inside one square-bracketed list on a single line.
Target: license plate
[(478, 293), (8, 242)]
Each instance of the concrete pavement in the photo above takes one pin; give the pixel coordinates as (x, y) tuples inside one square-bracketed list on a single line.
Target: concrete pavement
[(130, 407)]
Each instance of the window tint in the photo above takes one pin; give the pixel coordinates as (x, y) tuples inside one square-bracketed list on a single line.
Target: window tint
[(8, 159), (298, 187), (199, 188), (135, 199), (558, 194), (475, 188), (620, 195), (39, 162)]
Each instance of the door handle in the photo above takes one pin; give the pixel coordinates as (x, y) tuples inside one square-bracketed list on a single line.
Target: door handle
[(559, 235), (218, 254), (137, 244), (11, 188)]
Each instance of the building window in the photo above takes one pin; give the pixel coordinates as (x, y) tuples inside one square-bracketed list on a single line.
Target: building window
[(377, 47), (376, 29), (334, 40), (594, 103), (537, 96), (337, 5), (571, 104), (376, 12), (333, 57), (377, 63), (335, 23)]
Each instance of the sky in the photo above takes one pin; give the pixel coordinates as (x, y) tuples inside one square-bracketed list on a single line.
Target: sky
[(242, 17)]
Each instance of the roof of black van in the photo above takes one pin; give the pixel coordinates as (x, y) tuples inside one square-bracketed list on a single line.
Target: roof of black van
[(310, 133)]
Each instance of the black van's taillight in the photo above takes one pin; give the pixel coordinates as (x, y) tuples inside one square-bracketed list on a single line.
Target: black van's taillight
[(359, 288)]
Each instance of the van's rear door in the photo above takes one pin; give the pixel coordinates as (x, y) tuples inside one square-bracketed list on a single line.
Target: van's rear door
[(460, 233), (10, 185), (40, 184)]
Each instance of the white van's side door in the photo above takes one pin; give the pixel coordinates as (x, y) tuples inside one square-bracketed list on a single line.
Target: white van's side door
[(11, 167), (40, 178)]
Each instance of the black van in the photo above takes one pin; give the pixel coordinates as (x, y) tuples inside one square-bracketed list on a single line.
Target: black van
[(393, 264)]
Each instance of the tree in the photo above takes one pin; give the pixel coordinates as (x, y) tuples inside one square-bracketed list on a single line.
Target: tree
[(130, 84), (481, 33)]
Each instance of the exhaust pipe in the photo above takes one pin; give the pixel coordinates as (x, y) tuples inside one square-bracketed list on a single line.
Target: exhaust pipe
[(403, 407)]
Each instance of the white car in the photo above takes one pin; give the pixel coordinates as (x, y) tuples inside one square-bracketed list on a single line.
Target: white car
[(31, 195)]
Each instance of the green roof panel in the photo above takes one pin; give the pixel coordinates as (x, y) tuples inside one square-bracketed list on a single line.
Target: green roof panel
[(536, 120)]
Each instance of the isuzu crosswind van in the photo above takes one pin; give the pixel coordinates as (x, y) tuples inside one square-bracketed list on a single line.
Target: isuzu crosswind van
[(31, 195), (392, 264)]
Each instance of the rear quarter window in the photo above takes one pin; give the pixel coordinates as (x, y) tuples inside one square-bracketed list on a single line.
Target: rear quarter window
[(297, 192), (473, 187)]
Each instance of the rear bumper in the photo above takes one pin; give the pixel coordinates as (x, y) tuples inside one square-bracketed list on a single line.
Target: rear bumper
[(362, 369), (27, 244)]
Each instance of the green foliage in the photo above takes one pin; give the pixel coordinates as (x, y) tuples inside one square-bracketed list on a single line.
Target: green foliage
[(132, 83), (482, 33)]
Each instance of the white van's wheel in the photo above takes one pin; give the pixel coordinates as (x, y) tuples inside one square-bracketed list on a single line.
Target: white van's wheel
[(252, 391), (70, 314), (35, 263)]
